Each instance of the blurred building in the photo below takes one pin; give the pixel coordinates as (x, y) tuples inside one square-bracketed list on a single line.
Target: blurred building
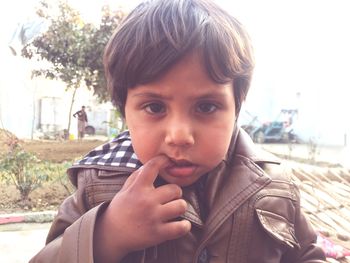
[(31, 107)]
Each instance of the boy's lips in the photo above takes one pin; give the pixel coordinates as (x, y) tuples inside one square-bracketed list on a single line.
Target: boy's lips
[(180, 168)]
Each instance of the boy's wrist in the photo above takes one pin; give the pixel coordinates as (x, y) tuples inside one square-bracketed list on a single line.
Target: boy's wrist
[(108, 247)]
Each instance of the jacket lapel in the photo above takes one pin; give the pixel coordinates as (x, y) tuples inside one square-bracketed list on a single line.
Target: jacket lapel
[(230, 190), (233, 182)]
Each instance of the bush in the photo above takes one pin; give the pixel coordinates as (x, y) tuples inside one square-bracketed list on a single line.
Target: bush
[(23, 170)]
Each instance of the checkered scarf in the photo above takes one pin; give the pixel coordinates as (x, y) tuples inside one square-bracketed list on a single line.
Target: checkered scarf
[(116, 153)]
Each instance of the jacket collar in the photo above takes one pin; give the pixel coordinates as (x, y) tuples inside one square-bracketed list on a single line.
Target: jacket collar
[(229, 185)]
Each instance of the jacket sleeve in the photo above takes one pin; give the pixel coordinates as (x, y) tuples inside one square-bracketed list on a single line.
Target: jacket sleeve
[(70, 238), (308, 252)]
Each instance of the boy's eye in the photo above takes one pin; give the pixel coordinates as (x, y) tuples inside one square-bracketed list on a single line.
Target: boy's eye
[(206, 107), (154, 108)]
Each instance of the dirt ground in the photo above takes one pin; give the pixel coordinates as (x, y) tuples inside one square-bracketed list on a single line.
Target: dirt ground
[(57, 152), (51, 194)]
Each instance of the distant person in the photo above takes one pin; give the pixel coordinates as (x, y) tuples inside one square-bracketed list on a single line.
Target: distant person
[(82, 122), (185, 183)]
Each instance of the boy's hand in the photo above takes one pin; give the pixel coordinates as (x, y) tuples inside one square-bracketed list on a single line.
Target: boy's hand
[(141, 215)]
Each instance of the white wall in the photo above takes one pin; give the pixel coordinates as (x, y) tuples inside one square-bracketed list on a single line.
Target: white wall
[(16, 94)]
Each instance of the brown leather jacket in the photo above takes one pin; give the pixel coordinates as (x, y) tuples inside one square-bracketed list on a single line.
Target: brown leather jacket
[(253, 216)]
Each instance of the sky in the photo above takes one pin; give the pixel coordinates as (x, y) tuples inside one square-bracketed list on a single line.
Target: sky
[(302, 47)]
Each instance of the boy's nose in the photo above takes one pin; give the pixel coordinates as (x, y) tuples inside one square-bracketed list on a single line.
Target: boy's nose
[(179, 133)]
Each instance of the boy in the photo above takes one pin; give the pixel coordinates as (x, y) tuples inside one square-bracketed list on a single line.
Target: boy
[(184, 184)]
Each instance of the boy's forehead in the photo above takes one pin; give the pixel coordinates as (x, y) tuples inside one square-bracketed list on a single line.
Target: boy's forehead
[(190, 64), (187, 76)]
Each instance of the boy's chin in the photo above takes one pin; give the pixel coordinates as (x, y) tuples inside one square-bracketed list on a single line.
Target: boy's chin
[(180, 181)]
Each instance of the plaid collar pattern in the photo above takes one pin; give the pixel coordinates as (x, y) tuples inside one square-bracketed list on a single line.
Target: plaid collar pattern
[(117, 153)]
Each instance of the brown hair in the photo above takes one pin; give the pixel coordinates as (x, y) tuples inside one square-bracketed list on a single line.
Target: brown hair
[(158, 33)]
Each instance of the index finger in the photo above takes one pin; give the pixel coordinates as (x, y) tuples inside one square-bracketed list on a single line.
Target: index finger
[(148, 173)]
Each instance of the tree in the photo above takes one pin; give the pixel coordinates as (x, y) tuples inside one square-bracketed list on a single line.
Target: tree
[(73, 48), (109, 21)]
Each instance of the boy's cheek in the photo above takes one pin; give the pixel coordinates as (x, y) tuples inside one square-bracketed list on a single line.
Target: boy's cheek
[(144, 149)]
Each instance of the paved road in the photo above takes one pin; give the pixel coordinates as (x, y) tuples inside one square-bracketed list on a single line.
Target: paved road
[(30, 238)]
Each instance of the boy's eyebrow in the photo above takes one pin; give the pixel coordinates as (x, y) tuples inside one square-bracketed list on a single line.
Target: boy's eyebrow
[(212, 95), (209, 95), (152, 95)]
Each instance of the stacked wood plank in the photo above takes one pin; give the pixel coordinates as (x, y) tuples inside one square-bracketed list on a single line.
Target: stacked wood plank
[(325, 198)]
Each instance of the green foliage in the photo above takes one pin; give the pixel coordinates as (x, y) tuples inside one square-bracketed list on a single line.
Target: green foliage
[(73, 48), (59, 46), (57, 173), (94, 54), (21, 168)]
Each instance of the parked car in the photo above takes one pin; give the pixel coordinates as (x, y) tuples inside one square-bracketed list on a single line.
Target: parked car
[(90, 130), (280, 130)]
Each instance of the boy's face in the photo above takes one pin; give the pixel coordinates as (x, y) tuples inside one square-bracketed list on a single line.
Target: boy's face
[(185, 116)]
